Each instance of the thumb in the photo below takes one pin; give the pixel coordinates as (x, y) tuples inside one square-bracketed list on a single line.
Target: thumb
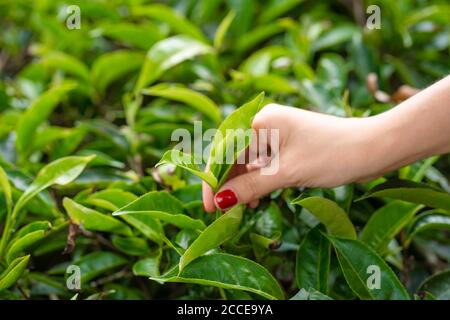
[(245, 188)]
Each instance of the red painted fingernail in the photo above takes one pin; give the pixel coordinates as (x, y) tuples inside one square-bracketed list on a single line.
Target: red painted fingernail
[(226, 199)]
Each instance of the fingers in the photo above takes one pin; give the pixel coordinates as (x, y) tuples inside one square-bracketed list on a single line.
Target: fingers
[(246, 188), (208, 198)]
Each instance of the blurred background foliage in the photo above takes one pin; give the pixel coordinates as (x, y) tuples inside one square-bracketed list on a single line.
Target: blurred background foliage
[(310, 54)]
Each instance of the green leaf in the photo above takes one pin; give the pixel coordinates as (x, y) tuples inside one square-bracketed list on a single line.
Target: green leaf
[(37, 113), (31, 227), (166, 54), (410, 191), (148, 267), (179, 220), (13, 272), (355, 259), (310, 294), (187, 96), (147, 223), (61, 172), (228, 272), (111, 199), (177, 22), (336, 36), (313, 261), (141, 36), (438, 284), (386, 223), (222, 29), (6, 189), (332, 73), (240, 119), (132, 246), (19, 245), (270, 221), (186, 161), (277, 8), (94, 220), (330, 214), (428, 220), (154, 201), (112, 66), (98, 263), (252, 38), (66, 63), (218, 232)]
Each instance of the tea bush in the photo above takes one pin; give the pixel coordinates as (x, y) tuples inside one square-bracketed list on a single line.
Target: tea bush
[(86, 113)]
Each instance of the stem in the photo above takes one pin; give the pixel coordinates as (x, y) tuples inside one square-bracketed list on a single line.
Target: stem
[(170, 244), (10, 221)]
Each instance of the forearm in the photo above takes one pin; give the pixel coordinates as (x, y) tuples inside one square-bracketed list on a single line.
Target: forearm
[(417, 128)]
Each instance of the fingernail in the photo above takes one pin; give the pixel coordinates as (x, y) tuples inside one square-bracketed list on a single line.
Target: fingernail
[(225, 199)]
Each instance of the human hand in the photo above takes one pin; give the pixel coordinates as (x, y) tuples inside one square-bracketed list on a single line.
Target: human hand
[(315, 150)]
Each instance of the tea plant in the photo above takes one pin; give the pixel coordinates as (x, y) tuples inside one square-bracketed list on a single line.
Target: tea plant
[(91, 180)]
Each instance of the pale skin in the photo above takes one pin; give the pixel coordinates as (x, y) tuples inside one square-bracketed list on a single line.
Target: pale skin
[(318, 150)]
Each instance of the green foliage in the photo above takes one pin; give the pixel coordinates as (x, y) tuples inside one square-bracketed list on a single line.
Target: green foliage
[(88, 166)]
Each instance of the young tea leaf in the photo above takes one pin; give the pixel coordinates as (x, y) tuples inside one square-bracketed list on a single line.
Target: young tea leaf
[(366, 273), (313, 261), (330, 214), (94, 220), (186, 161), (13, 272), (218, 232), (228, 272), (187, 96), (386, 223), (410, 191)]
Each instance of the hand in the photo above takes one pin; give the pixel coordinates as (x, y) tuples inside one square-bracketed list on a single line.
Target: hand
[(315, 150)]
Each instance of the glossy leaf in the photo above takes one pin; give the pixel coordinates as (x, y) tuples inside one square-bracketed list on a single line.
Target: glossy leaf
[(228, 272), (98, 263), (330, 214), (112, 66), (177, 22), (188, 162), (218, 232), (19, 245), (438, 284), (240, 119), (415, 192), (13, 272), (147, 223), (355, 259), (187, 96), (310, 294), (111, 199), (94, 220), (386, 223), (166, 54), (180, 220), (148, 267), (222, 29), (133, 246), (66, 63), (313, 261), (60, 172), (334, 37), (38, 112), (429, 220), (6, 189)]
